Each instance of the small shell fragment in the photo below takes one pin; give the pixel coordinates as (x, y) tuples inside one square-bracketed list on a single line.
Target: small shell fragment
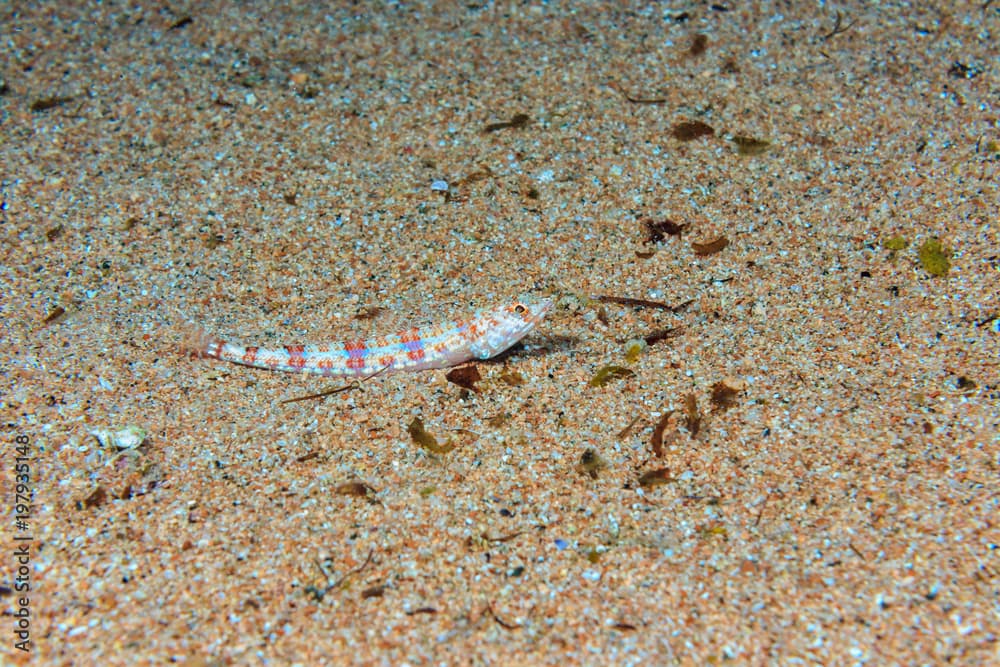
[(130, 437)]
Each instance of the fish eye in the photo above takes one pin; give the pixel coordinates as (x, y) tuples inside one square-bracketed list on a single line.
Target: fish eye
[(520, 309)]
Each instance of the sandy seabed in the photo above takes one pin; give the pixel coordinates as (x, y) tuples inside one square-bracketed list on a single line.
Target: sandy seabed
[(770, 232)]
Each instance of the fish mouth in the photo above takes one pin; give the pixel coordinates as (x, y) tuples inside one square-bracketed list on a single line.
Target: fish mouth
[(538, 308)]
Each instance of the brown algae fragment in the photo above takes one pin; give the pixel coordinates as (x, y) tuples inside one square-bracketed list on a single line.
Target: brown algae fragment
[(602, 316), (750, 146), (656, 441), (656, 477), (724, 394), (499, 621), (692, 417), (638, 303), (465, 377), (838, 28), (606, 374), (965, 385), (691, 130), (342, 583), (180, 23), (512, 379), (934, 257), (710, 248), (358, 489), (657, 231), (57, 314), (699, 44), (628, 428), (636, 100), (518, 120), (95, 498), (376, 591), (662, 334), (425, 439), (422, 610), (46, 103)]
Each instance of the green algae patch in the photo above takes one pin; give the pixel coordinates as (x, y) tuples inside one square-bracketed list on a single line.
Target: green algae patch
[(425, 439), (934, 257), (606, 374)]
